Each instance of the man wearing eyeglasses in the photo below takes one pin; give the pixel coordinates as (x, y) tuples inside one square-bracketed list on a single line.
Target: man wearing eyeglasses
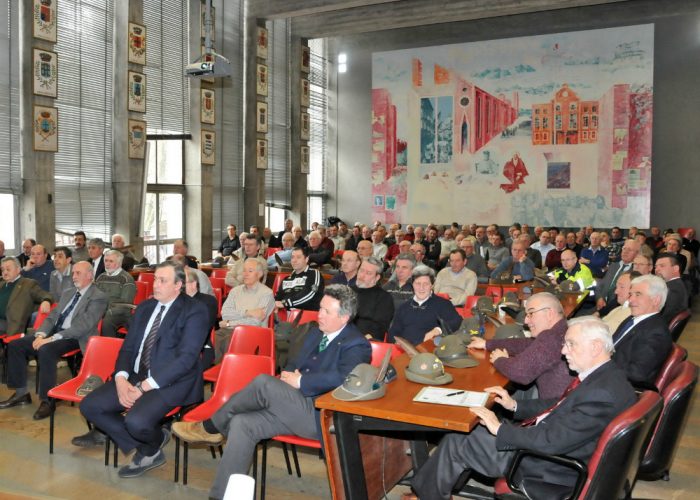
[(538, 358)]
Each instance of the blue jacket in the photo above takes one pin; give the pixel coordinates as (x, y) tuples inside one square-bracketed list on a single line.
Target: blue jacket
[(412, 321)]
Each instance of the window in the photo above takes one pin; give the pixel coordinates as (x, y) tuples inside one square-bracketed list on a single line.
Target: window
[(163, 217), (436, 128), (318, 114), (7, 228), (83, 164)]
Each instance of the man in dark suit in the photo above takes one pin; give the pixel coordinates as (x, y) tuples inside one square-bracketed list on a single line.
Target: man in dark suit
[(269, 406), (66, 328), (568, 426), (605, 289), (158, 369), (96, 247), (210, 302), (668, 267), (19, 297), (642, 341)]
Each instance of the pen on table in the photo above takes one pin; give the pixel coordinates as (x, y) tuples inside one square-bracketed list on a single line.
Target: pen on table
[(454, 393)]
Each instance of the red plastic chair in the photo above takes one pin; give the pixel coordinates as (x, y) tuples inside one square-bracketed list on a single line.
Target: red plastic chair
[(270, 251), (143, 291), (100, 357), (443, 295), (253, 340), (494, 291), (219, 273), (379, 349), (285, 439), (306, 316), (466, 311), (219, 283), (666, 374), (278, 279), (147, 277), (219, 300), (237, 371)]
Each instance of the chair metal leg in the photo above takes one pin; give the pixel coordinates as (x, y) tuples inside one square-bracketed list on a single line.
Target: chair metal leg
[(51, 422), (221, 451), (296, 460), (176, 478), (116, 455), (263, 471), (185, 453), (286, 458), (107, 443), (212, 450), (255, 472)]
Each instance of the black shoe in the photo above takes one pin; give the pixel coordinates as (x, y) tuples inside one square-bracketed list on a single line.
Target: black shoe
[(166, 438), (89, 439), (140, 464), (15, 400), (45, 410)]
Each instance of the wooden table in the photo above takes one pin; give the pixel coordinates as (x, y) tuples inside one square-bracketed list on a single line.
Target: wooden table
[(370, 440)]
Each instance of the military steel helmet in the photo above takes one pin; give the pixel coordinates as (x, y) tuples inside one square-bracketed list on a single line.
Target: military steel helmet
[(485, 305), (511, 297), (568, 286), (452, 351), (426, 368), (361, 385), (509, 331), (470, 326)]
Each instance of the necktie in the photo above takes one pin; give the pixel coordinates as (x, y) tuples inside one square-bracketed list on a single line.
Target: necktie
[(66, 312), (323, 344), (533, 420), (611, 291), (145, 361), (623, 329)]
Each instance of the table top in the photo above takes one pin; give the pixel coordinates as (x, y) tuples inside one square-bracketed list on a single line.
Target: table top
[(398, 405)]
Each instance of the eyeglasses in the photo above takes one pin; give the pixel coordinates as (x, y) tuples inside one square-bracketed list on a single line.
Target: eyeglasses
[(530, 313), (568, 344)]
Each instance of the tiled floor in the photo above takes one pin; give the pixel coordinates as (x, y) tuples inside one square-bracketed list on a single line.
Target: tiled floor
[(28, 471)]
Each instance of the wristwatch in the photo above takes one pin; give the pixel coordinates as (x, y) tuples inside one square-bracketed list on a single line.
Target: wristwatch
[(138, 386)]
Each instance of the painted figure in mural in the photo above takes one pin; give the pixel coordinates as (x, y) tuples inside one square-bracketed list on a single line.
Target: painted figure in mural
[(514, 170)]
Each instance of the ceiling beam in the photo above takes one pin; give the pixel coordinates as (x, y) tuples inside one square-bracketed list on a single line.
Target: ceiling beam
[(282, 9), (410, 13)]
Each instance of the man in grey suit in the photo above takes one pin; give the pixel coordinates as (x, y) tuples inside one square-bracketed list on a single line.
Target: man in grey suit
[(66, 328), (605, 291)]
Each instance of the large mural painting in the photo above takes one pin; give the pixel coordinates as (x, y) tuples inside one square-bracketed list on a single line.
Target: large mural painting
[(552, 129)]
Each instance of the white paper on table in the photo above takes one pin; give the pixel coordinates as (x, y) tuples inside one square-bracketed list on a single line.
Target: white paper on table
[(439, 395)]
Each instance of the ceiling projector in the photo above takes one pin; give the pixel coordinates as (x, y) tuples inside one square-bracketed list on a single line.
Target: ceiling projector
[(218, 67)]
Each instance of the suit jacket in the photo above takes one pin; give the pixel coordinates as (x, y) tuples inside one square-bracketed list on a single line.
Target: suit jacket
[(643, 350), (212, 308), (606, 283), (175, 361), (324, 371), (86, 315), (571, 429), (100, 267), (58, 287), (676, 301), (26, 295)]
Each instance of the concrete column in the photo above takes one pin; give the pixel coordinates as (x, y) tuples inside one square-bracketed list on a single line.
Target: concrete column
[(299, 210), (37, 210), (127, 174), (254, 184)]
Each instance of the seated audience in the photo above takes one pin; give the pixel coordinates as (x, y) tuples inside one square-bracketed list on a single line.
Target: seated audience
[(418, 319), (80, 251), (249, 303), (456, 280), (204, 282), (572, 270), (534, 255), (642, 341), (354, 239), (475, 262), (543, 245), (401, 246), (152, 377), (643, 264), (338, 241), (571, 243), (285, 254), (553, 259), (433, 247), (181, 247), (288, 226), (673, 246), (269, 240), (618, 310), (251, 250), (595, 256), (24, 257), (303, 288), (318, 254), (497, 252), (365, 249), (212, 305), (19, 297), (605, 287), (230, 243), (517, 267), (118, 243), (96, 247), (62, 275), (400, 284), (379, 249), (537, 358), (668, 267), (119, 287), (569, 426), (690, 243), (66, 328), (349, 265), (375, 306), (269, 406), (39, 267)]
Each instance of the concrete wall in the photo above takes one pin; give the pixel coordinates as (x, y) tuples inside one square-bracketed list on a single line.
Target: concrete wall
[(676, 146)]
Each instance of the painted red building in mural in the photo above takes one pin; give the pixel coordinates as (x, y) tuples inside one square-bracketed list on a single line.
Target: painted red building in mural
[(383, 132), (566, 119), (478, 116)]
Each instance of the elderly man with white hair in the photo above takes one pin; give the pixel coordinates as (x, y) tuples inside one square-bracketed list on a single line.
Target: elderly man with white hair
[(120, 289)]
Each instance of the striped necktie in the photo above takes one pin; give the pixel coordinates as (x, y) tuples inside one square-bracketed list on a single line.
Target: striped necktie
[(66, 312), (323, 344), (145, 361), (535, 420)]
